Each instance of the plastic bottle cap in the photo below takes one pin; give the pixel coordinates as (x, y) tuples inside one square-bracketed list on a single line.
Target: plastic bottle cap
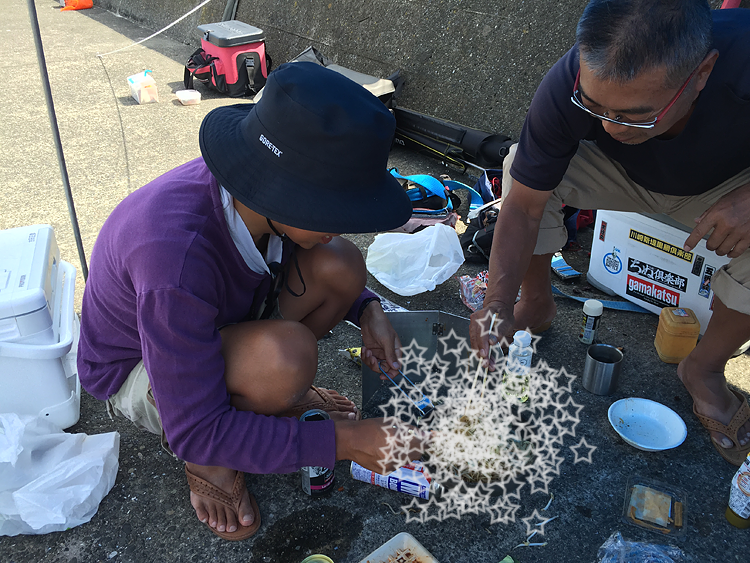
[(593, 307), (522, 338)]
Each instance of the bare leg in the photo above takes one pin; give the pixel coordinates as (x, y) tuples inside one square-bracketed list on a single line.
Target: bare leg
[(536, 306), (334, 276), (270, 365), (702, 372)]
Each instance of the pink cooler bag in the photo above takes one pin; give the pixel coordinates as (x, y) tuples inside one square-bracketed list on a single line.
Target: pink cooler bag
[(232, 59)]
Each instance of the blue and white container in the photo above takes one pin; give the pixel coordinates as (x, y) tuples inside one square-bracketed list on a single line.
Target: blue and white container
[(411, 479)]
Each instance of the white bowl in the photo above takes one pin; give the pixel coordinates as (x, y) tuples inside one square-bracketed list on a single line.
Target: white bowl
[(647, 425), (188, 97)]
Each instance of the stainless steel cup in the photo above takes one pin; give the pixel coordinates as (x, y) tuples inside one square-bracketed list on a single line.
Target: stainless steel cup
[(602, 369)]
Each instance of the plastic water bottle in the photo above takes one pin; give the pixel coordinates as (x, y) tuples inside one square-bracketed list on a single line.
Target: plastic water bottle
[(519, 352), (519, 365)]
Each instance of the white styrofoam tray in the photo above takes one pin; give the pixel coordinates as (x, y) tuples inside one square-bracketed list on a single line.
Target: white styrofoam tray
[(401, 548)]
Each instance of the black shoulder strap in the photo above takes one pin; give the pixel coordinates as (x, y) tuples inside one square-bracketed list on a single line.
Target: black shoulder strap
[(196, 61), (187, 79)]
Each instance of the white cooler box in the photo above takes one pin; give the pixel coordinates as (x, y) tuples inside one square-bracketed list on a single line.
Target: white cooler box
[(38, 327), (641, 259)]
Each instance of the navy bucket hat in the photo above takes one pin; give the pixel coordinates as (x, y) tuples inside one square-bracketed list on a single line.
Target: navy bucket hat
[(311, 154)]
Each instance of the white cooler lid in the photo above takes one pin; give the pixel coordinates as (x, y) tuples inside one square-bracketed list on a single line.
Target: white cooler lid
[(28, 265)]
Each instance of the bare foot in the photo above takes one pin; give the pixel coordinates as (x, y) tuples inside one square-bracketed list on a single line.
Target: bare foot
[(712, 398), (215, 514), (347, 409), (531, 312)]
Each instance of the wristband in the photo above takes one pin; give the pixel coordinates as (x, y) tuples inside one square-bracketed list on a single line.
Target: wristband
[(364, 304)]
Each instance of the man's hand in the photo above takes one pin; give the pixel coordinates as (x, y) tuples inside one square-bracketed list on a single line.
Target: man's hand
[(481, 321), (513, 244), (728, 218), (380, 343), (366, 441)]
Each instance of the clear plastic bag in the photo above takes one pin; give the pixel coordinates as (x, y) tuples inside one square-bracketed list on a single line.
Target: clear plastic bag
[(408, 264), (617, 550), (51, 480)]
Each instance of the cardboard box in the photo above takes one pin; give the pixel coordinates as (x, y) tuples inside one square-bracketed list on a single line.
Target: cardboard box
[(38, 327), (640, 257)]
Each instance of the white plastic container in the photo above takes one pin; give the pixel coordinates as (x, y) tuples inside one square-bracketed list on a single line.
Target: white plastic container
[(188, 97), (401, 547), (38, 327), (143, 87), (518, 367), (738, 510), (519, 354)]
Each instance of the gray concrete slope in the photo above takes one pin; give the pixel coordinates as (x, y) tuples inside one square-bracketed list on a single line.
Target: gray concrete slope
[(113, 146)]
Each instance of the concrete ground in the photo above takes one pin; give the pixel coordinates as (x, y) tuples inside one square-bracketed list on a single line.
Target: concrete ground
[(112, 147)]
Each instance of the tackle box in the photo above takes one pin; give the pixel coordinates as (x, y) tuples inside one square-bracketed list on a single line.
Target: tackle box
[(640, 257), (426, 328), (38, 327)]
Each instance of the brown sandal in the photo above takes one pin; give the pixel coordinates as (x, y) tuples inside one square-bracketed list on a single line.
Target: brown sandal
[(737, 453), (326, 403), (203, 488)]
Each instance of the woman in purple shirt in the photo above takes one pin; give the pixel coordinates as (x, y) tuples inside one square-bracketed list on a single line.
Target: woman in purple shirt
[(210, 286)]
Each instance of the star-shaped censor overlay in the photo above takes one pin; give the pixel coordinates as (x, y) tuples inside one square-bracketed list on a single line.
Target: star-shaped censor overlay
[(536, 522), (583, 451), (494, 438)]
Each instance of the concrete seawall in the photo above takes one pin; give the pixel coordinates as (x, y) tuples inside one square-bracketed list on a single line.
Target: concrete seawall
[(475, 62)]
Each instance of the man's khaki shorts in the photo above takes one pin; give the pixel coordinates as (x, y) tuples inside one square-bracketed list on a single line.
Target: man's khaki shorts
[(594, 181)]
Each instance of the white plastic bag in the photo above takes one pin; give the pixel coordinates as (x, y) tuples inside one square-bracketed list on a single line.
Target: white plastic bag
[(616, 549), (51, 480), (408, 264)]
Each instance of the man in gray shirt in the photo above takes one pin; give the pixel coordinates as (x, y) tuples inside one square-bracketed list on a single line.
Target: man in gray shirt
[(648, 112)]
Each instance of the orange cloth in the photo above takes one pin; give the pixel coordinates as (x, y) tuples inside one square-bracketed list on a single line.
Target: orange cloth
[(77, 5)]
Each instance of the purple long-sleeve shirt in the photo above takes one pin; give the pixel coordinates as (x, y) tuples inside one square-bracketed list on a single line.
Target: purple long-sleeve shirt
[(165, 276)]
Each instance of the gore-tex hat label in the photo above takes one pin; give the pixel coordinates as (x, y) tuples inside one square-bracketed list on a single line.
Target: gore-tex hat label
[(270, 146)]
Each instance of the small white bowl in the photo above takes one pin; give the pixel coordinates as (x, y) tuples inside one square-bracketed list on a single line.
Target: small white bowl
[(647, 425), (188, 97)]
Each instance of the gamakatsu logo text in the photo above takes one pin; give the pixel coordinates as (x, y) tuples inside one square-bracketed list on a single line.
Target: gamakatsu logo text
[(652, 293)]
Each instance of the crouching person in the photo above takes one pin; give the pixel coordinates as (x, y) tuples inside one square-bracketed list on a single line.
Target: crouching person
[(210, 286)]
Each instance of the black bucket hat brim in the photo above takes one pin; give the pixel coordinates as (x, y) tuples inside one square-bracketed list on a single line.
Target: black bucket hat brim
[(312, 154)]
